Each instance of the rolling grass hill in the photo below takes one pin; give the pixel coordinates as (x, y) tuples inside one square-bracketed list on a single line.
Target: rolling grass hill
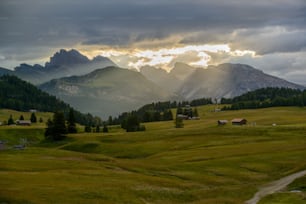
[(14, 134), (5, 114), (200, 163)]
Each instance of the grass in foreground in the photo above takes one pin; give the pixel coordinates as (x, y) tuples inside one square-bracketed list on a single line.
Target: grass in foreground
[(201, 163)]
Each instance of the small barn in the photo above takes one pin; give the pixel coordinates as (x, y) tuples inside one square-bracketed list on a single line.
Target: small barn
[(239, 121), (182, 116), (222, 122), (23, 122)]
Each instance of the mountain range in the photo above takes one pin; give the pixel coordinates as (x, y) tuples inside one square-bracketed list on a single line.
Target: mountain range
[(100, 87), (225, 80), (107, 91), (62, 64)]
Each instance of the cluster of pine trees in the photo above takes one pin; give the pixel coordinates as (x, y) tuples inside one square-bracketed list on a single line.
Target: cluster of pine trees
[(160, 111), (132, 124), (33, 119), (187, 111), (266, 97), (58, 126)]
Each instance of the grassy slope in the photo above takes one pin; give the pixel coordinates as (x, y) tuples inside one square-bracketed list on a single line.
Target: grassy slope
[(14, 134), (5, 114), (201, 163)]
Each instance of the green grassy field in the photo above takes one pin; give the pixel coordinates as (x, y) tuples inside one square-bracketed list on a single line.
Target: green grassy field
[(200, 163), (5, 114)]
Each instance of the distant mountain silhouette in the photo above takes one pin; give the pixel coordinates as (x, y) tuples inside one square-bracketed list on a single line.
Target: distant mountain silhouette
[(62, 64), (108, 91), (99, 87), (228, 80)]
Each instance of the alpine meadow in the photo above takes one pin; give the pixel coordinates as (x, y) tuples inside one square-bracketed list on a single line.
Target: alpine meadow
[(152, 102)]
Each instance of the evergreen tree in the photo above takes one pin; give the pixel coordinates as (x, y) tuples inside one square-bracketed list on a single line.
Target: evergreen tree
[(110, 120), (105, 128), (21, 117), (87, 128), (132, 123), (156, 116), (147, 117), (56, 128), (49, 129), (33, 118), (71, 122), (167, 115), (10, 120), (179, 110), (179, 122), (98, 128)]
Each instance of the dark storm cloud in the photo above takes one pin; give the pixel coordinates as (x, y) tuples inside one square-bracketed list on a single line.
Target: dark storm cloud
[(38, 25), (93, 18)]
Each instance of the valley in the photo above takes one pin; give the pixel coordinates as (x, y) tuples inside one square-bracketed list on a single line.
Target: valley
[(200, 163), (153, 102)]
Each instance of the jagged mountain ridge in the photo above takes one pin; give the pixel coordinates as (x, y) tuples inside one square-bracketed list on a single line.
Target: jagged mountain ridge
[(225, 80), (171, 81), (111, 92), (108, 91), (62, 64), (161, 77), (229, 80)]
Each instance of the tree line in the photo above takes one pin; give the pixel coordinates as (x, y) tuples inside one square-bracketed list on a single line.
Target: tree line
[(266, 97), (59, 126), (160, 111)]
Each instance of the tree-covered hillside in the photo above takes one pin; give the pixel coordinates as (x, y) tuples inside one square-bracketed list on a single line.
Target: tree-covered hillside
[(19, 95), (160, 111), (267, 97)]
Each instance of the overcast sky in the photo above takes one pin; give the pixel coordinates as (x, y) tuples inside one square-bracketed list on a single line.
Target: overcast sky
[(269, 35)]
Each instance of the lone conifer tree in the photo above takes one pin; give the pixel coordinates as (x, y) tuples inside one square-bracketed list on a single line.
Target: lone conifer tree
[(98, 128), (179, 122), (56, 128), (87, 128), (105, 128), (179, 110), (71, 122), (10, 120), (110, 120), (33, 118)]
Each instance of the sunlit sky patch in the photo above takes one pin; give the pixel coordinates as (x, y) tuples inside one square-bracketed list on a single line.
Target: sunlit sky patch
[(195, 55)]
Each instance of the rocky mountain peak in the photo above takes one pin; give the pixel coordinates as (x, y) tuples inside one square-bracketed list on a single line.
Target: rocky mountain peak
[(100, 59), (64, 57)]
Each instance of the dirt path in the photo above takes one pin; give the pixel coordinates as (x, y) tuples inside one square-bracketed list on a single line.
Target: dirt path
[(275, 186)]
